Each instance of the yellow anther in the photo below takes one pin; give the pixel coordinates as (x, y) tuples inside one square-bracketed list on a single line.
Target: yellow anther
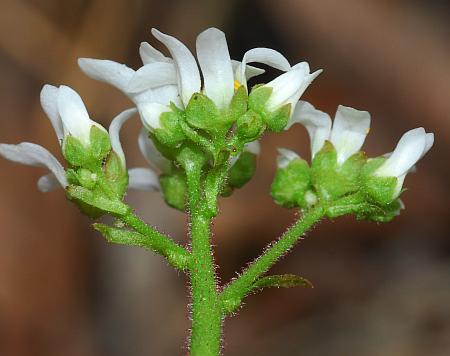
[(367, 131), (236, 85)]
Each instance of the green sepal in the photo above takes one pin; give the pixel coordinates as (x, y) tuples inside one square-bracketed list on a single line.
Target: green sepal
[(238, 105), (382, 214), (380, 190), (242, 170), (258, 98), (202, 113), (332, 181), (97, 201), (174, 190), (250, 126), (170, 133), (116, 174), (291, 184), (276, 121), (74, 152), (86, 178), (100, 144), (282, 281)]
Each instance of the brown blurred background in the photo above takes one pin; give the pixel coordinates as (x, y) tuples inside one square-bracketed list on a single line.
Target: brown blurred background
[(379, 289)]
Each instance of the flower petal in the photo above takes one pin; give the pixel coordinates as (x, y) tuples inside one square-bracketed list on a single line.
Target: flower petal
[(114, 132), (74, 115), (152, 75), (253, 147), (48, 183), (316, 122), (285, 157), (143, 179), (113, 73), (49, 102), (150, 113), (349, 131), (150, 54), (215, 63), (151, 154), (409, 150), (162, 95), (187, 70), (250, 71), (288, 87), (34, 155), (266, 56)]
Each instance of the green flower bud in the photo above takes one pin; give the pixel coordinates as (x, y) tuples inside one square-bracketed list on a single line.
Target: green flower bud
[(116, 174)]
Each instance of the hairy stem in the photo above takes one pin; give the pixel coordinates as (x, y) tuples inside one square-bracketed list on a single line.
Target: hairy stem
[(233, 294), (176, 255), (206, 311)]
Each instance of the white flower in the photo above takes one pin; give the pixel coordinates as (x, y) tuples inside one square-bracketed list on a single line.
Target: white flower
[(413, 145), (289, 87), (67, 113), (35, 155), (154, 84), (68, 116), (347, 135), (163, 80)]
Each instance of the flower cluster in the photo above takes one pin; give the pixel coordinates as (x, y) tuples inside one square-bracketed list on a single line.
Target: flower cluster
[(341, 176), (202, 109)]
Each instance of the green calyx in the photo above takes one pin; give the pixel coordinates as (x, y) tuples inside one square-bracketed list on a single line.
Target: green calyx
[(331, 180), (276, 120), (97, 176), (343, 189), (292, 187)]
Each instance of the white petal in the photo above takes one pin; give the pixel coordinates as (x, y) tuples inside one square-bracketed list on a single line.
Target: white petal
[(151, 153), (143, 179), (250, 71), (162, 95), (266, 56), (34, 155), (253, 147), (113, 73), (349, 131), (288, 87), (48, 183), (187, 70), (74, 115), (408, 151), (215, 63), (150, 113), (316, 122), (114, 132), (49, 102), (150, 54), (152, 75), (429, 140), (285, 157)]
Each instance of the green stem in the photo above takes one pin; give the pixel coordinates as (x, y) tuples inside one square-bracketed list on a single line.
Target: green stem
[(233, 294), (177, 255), (206, 311)]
